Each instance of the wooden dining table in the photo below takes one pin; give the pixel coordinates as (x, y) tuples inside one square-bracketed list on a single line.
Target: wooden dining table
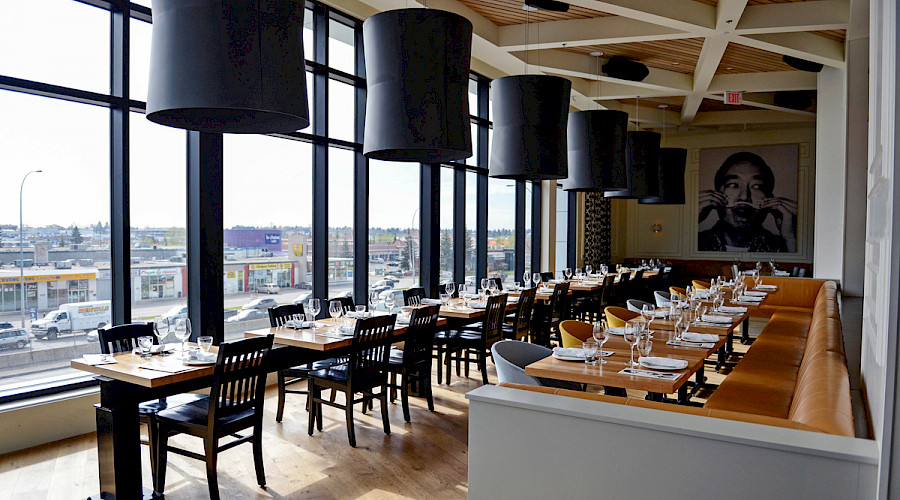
[(726, 332)]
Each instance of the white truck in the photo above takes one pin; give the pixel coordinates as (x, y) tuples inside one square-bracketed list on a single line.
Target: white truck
[(69, 318)]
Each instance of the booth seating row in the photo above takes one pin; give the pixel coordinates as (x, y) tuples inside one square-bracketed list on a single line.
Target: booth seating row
[(796, 368)]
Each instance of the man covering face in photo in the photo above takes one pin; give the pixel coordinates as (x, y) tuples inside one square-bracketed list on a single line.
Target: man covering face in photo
[(743, 200)]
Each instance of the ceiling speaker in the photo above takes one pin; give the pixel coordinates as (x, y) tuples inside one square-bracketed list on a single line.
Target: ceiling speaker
[(551, 5), (625, 69), (794, 99), (802, 64)]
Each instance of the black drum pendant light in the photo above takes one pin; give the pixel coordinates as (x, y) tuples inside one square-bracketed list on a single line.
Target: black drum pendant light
[(597, 141), (671, 178), (641, 166), (228, 66), (530, 118), (417, 77)]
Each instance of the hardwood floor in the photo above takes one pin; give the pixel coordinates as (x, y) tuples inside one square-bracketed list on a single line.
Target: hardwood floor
[(426, 458)]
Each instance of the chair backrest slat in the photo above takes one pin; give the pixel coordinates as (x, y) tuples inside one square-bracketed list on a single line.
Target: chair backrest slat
[(279, 315), (413, 292), (123, 338), (420, 336), (346, 303), (558, 299), (492, 326), (240, 376), (369, 349), (525, 309)]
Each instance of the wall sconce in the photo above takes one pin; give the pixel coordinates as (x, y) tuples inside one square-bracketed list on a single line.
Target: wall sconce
[(656, 227)]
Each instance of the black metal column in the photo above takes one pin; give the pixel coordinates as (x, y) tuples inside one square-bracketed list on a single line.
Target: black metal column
[(520, 231), (459, 225), (320, 159), (536, 234), (360, 188), (572, 234), (120, 221), (481, 227), (205, 250), (430, 227)]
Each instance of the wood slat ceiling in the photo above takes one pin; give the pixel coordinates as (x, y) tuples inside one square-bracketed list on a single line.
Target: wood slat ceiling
[(836, 35), (673, 55), (675, 103), (742, 59), (506, 12), (715, 105)]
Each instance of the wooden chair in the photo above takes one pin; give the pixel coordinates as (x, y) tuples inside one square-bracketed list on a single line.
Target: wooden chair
[(461, 348), (123, 338), (413, 363), (520, 325), (347, 304), (413, 292), (366, 370), (552, 313), (498, 282), (278, 316), (546, 277), (235, 403)]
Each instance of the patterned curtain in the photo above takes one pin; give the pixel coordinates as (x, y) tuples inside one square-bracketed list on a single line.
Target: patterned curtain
[(597, 230)]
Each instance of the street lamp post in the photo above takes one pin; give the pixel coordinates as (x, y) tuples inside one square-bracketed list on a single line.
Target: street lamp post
[(22, 246)]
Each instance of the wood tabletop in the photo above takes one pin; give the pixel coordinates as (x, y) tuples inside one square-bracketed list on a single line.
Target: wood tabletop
[(608, 374), (667, 325), (127, 368), (320, 339), (457, 310), (660, 337)]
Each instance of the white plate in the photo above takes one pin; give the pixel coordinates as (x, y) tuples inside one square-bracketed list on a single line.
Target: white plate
[(563, 357), (197, 362), (657, 367)]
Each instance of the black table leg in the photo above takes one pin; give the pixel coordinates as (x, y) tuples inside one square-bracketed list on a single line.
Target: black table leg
[(745, 331), (684, 397)]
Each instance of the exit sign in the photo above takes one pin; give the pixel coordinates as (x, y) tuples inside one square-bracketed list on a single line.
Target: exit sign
[(734, 97)]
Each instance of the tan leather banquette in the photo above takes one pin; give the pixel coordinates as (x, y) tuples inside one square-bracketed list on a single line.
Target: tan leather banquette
[(796, 368), (793, 294)]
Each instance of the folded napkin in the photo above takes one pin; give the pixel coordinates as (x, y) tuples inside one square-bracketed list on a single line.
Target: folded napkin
[(704, 345), (431, 302), (754, 293), (160, 348), (350, 329), (750, 298), (782, 273), (98, 359), (660, 314), (733, 309), (403, 320), (205, 357), (478, 305), (556, 281), (649, 373), (591, 283), (712, 318), (702, 293), (616, 330), (767, 287), (396, 353), (297, 324), (700, 337), (673, 364), (569, 352), (667, 269)]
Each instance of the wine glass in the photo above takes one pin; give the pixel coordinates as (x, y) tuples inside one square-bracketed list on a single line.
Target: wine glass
[(492, 286), (648, 312), (373, 301), (464, 294), (527, 279), (450, 288), (335, 310), (601, 335), (313, 308), (536, 278), (182, 333), (588, 268), (631, 337), (604, 269), (161, 330), (567, 272), (389, 302)]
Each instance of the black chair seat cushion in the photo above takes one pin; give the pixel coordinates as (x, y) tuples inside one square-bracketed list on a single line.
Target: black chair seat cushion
[(302, 370), (157, 405), (196, 413), (340, 373), (455, 334)]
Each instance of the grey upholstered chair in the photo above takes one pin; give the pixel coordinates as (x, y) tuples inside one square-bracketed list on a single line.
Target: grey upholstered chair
[(637, 305), (662, 298), (512, 356)]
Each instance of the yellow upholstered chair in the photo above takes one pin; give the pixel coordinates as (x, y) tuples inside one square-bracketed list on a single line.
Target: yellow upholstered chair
[(616, 317), (681, 292), (573, 333), (700, 285)]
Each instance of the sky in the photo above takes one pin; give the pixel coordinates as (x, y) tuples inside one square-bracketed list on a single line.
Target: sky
[(266, 180)]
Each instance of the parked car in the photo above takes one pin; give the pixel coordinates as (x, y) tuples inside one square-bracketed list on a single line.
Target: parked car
[(14, 337), (382, 285), (303, 285), (302, 298), (230, 312), (269, 288), (92, 336), (261, 304), (398, 301), (4, 325), (247, 314), (175, 313)]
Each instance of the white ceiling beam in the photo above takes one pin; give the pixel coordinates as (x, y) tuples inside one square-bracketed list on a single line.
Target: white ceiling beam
[(572, 64), (765, 101), (710, 57), (803, 45), (682, 15), (580, 32), (649, 115), (747, 117), (610, 90), (728, 13), (817, 15), (764, 82)]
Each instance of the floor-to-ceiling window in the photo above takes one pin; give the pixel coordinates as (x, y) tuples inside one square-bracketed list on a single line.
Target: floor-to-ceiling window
[(447, 207), (562, 229)]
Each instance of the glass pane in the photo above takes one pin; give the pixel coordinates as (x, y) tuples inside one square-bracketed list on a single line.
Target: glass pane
[(340, 223), (501, 252), (308, 47), (446, 269), (341, 114), (471, 222), (268, 226), (341, 47), (473, 160), (562, 229), (473, 97), (158, 221), (65, 210), (529, 187), (393, 229), (311, 101), (56, 41), (140, 59)]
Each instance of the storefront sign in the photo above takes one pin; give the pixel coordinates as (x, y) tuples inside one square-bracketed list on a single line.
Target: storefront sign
[(298, 250), (48, 277), (280, 265), (159, 272), (231, 275), (273, 238)]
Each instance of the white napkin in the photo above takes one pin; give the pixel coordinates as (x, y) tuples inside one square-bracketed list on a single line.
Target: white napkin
[(782, 273), (733, 309), (767, 287), (349, 329), (754, 293), (403, 320), (703, 294), (660, 314), (431, 302), (591, 283), (569, 352), (700, 337), (674, 364), (750, 298), (478, 305), (296, 324), (712, 318), (98, 359), (556, 281), (616, 330), (205, 357)]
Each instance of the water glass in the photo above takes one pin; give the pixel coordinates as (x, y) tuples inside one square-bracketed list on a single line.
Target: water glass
[(313, 308), (591, 353), (145, 343), (601, 335), (445, 299), (360, 311), (182, 333), (644, 347), (205, 342), (161, 330)]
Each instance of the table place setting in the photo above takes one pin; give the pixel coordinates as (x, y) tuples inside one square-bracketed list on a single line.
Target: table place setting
[(755, 293), (766, 288), (298, 324), (649, 373), (98, 359), (732, 310), (697, 345), (716, 320), (574, 353), (431, 302)]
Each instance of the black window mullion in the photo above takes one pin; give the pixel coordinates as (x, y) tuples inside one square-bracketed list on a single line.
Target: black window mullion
[(430, 227), (572, 230), (536, 227), (482, 182), (520, 231), (120, 225), (320, 157), (360, 186), (459, 225)]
